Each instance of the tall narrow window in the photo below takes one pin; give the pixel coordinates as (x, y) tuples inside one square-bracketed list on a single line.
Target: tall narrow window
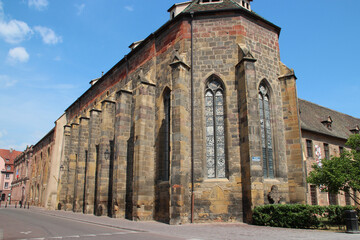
[(347, 199), (326, 150), (341, 150), (309, 148), (313, 194), (333, 199), (266, 134), (215, 134), (166, 159)]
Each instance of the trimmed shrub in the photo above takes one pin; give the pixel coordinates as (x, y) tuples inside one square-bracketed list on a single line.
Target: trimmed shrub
[(300, 216)]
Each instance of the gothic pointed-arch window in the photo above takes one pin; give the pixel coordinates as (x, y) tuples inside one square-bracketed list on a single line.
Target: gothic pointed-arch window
[(215, 129), (266, 132), (166, 158)]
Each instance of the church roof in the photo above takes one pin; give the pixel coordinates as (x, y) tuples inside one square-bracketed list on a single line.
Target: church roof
[(196, 6), (317, 118)]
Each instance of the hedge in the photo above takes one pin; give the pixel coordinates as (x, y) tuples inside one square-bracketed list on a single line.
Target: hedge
[(300, 216)]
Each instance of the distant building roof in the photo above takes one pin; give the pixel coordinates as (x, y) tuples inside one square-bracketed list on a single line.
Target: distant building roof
[(317, 118), (9, 154)]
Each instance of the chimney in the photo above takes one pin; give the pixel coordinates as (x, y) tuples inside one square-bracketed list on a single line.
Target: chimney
[(11, 150)]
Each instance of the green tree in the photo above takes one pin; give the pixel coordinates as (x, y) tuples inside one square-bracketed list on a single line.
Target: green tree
[(340, 174)]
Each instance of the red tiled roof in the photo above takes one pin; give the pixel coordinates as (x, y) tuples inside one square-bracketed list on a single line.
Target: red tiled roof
[(11, 155)]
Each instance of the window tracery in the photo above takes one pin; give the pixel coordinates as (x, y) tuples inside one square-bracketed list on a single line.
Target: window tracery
[(266, 132), (215, 132)]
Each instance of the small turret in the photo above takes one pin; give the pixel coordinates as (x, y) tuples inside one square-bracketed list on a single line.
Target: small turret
[(245, 4), (178, 8)]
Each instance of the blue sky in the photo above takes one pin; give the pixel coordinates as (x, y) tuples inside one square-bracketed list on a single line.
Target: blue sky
[(51, 49)]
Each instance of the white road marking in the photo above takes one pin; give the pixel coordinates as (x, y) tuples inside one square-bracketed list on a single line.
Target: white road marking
[(87, 235), (26, 233)]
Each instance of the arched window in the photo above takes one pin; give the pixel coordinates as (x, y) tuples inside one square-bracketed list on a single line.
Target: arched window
[(215, 130), (166, 158), (266, 134)]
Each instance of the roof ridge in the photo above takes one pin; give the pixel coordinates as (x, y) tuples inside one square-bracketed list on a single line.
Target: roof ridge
[(235, 3), (190, 5)]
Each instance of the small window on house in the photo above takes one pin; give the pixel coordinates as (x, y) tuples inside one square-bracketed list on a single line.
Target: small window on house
[(355, 130), (333, 199), (326, 150), (8, 168), (347, 199), (7, 176), (341, 150), (6, 186), (7, 160), (328, 122), (309, 148), (313, 193)]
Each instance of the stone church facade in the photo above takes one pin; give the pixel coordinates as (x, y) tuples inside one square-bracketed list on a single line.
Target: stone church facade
[(198, 123)]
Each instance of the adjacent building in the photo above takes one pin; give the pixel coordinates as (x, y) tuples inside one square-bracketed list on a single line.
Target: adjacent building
[(324, 134), (7, 158), (20, 184)]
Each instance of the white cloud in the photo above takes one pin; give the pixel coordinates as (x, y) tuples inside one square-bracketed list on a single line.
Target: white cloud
[(14, 31), (6, 82), (3, 133), (18, 55), (38, 4), (48, 35), (57, 58), (129, 8), (80, 8)]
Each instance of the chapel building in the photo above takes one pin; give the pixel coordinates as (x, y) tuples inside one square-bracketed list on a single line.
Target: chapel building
[(199, 122)]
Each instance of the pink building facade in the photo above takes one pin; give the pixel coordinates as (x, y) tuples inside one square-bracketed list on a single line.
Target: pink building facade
[(7, 158)]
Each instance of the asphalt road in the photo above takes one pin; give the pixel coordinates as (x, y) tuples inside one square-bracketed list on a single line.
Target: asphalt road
[(22, 224), (40, 224)]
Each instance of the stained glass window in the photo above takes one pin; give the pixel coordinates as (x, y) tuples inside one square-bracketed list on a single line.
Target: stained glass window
[(266, 134), (215, 132)]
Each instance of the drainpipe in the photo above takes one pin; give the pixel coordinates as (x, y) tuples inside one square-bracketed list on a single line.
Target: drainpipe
[(192, 119)]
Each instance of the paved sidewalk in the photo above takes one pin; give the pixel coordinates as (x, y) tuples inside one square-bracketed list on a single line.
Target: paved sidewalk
[(223, 231)]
